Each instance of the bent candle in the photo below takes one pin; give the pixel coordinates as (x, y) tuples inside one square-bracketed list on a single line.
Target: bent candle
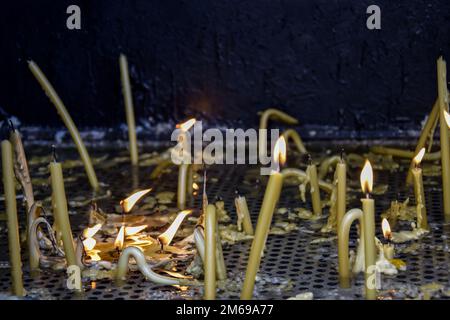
[(67, 119), (270, 200), (11, 213), (343, 245), (129, 109)]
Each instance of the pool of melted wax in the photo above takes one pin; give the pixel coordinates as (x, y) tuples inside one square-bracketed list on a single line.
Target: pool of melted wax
[(298, 260)]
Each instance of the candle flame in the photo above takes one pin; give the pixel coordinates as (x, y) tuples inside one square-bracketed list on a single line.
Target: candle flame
[(366, 177), (128, 203), (93, 255), (90, 232), (167, 236), (129, 231), (118, 243), (185, 126), (89, 243), (386, 229), (447, 118), (279, 151), (418, 158)]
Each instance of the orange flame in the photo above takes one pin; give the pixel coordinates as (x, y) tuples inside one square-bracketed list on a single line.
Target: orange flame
[(386, 229), (118, 243), (93, 255), (418, 158), (128, 203), (167, 236), (279, 151), (129, 231), (90, 232), (447, 118), (89, 243), (366, 177), (185, 126)]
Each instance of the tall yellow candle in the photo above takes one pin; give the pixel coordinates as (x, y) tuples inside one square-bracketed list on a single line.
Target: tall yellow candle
[(445, 145), (341, 173), (67, 119), (210, 253), (129, 109), (368, 223), (269, 203), (12, 222), (315, 191), (60, 212), (424, 135), (422, 220)]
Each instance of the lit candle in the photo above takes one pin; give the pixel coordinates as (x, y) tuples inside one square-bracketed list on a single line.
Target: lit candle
[(269, 203), (60, 212), (67, 119), (341, 175), (184, 174), (244, 219), (12, 222), (368, 219), (422, 220), (427, 133), (210, 253), (311, 171), (445, 145), (388, 248), (129, 109), (343, 239)]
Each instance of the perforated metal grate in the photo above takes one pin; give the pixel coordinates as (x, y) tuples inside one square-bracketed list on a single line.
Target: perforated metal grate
[(291, 264)]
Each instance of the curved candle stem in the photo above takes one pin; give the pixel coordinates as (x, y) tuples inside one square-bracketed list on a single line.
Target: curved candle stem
[(343, 246), (400, 153), (326, 164), (157, 172), (138, 255), (33, 242), (301, 175), (265, 116), (67, 119), (291, 134)]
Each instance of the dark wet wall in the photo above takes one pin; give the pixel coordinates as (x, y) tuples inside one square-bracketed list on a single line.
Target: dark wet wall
[(223, 61)]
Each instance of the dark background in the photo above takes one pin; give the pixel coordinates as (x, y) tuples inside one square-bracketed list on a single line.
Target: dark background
[(222, 61)]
